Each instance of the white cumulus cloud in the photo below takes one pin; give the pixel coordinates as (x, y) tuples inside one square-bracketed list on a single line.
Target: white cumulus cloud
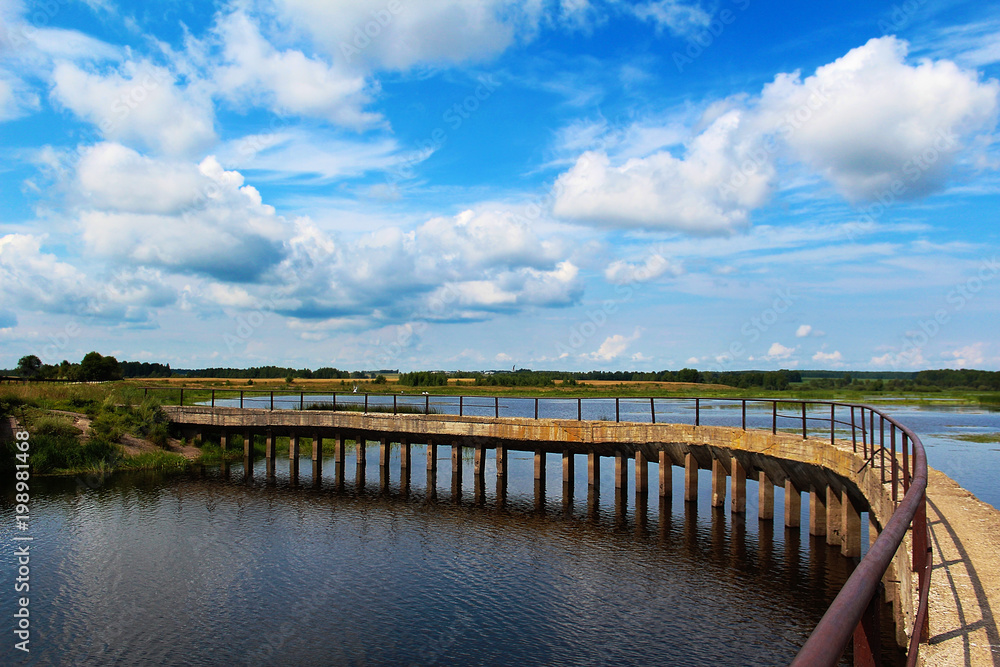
[(287, 81), (666, 192), (621, 272), (828, 357), (399, 35), (870, 119), (140, 104), (175, 215), (613, 346)]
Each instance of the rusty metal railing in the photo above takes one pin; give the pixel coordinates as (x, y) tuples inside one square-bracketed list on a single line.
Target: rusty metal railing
[(853, 617)]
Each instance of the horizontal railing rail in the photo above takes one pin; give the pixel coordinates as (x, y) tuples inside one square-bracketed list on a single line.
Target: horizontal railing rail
[(872, 433)]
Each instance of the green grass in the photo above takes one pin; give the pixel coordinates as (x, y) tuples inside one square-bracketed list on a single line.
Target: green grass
[(156, 460), (977, 437)]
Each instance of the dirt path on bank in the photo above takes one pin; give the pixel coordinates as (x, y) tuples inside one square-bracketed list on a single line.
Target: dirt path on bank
[(130, 443), (965, 583)]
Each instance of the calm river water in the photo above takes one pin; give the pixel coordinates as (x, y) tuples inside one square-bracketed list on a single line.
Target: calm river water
[(208, 568)]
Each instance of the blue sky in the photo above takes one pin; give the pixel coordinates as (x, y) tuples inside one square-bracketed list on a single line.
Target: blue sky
[(475, 184)]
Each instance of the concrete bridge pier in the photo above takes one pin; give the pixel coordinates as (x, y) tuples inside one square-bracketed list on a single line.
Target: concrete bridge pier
[(621, 472), (593, 471), (690, 478), (834, 518), (718, 483), (739, 486), (361, 445), (666, 476), (817, 512), (224, 441), (793, 505), (432, 468), (404, 466), (765, 498), (850, 530), (456, 471), (317, 459), (479, 474), (569, 475), (501, 455), (247, 456), (269, 454), (293, 459), (641, 474), (383, 463), (339, 448)]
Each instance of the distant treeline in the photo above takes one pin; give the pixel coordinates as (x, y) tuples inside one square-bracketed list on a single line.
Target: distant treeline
[(143, 369), (949, 379), (95, 367), (423, 379)]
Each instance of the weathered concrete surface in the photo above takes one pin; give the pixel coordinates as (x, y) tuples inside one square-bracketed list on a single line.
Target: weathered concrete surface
[(965, 584), (809, 463)]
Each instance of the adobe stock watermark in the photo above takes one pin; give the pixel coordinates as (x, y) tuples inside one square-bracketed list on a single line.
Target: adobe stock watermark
[(761, 156), (596, 319), (22, 541), (911, 349), (910, 172), (434, 309), (364, 35), (42, 13), (137, 95), (705, 38), (454, 117), (900, 16), (248, 324), (755, 327)]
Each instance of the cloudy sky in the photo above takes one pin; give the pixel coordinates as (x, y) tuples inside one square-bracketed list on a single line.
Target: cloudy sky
[(474, 184)]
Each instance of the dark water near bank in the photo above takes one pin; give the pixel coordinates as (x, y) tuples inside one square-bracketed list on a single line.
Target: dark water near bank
[(208, 568)]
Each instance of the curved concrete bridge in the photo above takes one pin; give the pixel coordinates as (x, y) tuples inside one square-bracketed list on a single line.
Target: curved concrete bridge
[(843, 478)]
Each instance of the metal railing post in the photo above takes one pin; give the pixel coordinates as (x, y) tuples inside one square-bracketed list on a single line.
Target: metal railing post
[(652, 409), (854, 432), (272, 400), (833, 422), (892, 462), (804, 420), (881, 445), (906, 462), (744, 412), (697, 412), (774, 417), (213, 398), (617, 414)]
